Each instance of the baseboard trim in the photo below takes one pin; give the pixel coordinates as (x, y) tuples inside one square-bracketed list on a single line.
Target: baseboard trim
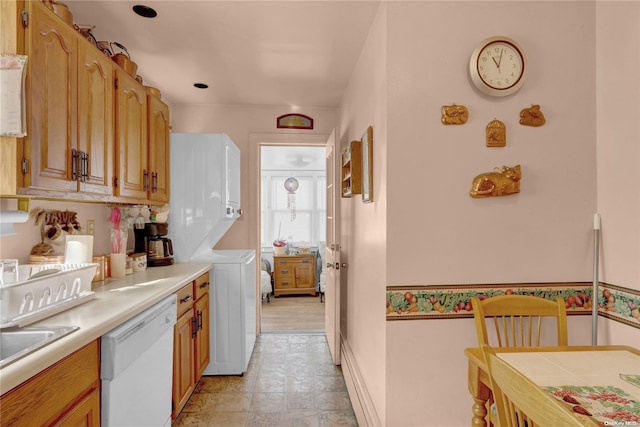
[(360, 399)]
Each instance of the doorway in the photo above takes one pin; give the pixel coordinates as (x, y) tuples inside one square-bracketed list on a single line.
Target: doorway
[(292, 210)]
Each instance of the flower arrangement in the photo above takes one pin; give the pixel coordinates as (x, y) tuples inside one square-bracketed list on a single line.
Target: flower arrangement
[(279, 243)]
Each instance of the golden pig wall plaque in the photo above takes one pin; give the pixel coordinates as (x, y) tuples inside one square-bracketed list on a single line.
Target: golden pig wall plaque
[(496, 183), (454, 114)]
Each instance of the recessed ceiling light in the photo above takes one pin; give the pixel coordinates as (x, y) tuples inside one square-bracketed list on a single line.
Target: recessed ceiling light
[(201, 85), (145, 11)]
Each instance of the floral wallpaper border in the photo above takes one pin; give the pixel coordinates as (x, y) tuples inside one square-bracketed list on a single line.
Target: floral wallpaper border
[(452, 301)]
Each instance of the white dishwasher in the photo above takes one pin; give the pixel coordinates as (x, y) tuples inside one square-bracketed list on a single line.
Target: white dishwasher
[(136, 369)]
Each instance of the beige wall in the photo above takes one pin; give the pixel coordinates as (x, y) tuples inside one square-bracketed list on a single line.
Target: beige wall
[(618, 132), (435, 233), (618, 153), (27, 234), (364, 225)]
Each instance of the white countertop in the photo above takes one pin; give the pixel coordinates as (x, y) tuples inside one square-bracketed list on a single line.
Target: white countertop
[(116, 301)]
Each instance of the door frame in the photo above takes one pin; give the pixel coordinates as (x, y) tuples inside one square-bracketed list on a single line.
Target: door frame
[(256, 142)]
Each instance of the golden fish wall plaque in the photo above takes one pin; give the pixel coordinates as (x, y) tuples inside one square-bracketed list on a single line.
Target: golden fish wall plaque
[(454, 114)]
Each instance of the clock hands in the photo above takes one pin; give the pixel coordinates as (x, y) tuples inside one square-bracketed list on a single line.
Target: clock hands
[(499, 61)]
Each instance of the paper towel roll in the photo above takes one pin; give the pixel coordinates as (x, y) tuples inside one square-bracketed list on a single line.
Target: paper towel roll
[(8, 218), (13, 216)]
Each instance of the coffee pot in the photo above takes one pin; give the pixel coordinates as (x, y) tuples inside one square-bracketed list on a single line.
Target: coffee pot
[(152, 241), (159, 247)]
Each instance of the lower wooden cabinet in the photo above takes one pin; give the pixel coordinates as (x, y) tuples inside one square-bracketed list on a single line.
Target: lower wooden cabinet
[(191, 340), (65, 394), (294, 274)]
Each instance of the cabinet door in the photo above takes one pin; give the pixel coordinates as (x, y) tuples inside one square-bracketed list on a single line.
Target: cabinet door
[(52, 91), (85, 413), (95, 119), (158, 150), (304, 275), (131, 138), (183, 366), (202, 339), (57, 393)]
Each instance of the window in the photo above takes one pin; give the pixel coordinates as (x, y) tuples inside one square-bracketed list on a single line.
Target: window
[(310, 203)]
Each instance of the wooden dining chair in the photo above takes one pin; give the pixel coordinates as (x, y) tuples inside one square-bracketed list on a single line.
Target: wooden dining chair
[(520, 402), (517, 320)]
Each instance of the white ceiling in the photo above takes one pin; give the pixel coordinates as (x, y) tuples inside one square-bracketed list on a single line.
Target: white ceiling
[(292, 158), (294, 53)]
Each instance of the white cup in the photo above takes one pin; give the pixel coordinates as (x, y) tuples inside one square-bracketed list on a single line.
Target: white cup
[(8, 271), (118, 264)]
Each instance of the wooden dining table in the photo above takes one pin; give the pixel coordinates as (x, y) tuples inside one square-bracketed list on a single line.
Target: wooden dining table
[(602, 380)]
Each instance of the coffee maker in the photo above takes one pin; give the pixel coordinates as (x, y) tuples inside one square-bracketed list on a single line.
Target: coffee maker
[(152, 240)]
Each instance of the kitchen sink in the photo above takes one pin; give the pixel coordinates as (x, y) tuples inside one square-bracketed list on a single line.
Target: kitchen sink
[(16, 342)]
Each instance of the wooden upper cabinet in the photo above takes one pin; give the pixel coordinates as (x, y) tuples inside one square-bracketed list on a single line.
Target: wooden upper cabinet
[(132, 174), (95, 120), (158, 149), (93, 131), (142, 147), (69, 143), (51, 93)]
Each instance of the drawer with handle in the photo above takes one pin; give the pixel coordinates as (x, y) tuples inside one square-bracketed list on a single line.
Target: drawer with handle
[(202, 285), (185, 298)]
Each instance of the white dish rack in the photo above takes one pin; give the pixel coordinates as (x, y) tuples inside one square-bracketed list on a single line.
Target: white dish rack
[(43, 290)]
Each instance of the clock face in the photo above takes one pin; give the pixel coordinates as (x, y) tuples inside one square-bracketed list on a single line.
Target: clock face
[(497, 66)]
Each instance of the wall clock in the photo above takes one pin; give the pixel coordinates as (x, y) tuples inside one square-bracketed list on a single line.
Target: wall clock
[(498, 66)]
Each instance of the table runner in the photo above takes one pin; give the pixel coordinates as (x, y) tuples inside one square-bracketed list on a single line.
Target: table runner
[(604, 385)]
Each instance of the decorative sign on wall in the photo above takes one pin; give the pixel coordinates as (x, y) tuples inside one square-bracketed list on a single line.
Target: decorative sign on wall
[(496, 134), (496, 183), (532, 116), (294, 121), (454, 114)]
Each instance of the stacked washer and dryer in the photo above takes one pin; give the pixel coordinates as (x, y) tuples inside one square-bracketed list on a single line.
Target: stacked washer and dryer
[(205, 201)]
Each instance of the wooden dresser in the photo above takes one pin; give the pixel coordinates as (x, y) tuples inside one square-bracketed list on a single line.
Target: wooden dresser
[(294, 274)]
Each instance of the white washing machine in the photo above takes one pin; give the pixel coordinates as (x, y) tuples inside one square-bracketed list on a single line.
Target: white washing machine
[(233, 310)]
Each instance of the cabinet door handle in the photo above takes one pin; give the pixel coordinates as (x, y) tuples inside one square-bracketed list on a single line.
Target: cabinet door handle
[(199, 320), (145, 180), (185, 299), (154, 182), (84, 168), (194, 327), (204, 285), (74, 165)]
